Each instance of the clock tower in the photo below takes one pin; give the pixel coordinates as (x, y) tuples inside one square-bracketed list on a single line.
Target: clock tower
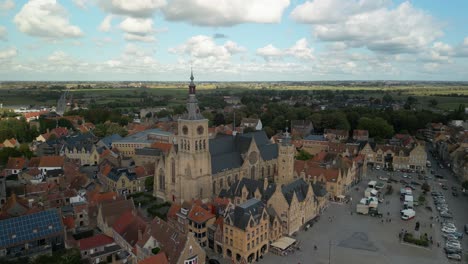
[(286, 152), (194, 160)]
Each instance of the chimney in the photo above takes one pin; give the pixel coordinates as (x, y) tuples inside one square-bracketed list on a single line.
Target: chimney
[(140, 234)]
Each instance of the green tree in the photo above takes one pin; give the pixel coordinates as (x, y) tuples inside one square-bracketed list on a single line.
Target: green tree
[(219, 119), (377, 127), (387, 99), (433, 102), (425, 187), (303, 155), (149, 183)]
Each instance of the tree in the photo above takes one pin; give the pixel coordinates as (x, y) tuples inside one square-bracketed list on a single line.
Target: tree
[(425, 187), (219, 119), (387, 99), (465, 185), (433, 102), (377, 127), (304, 155), (149, 183)]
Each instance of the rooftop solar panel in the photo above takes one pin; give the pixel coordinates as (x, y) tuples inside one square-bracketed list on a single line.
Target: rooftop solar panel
[(25, 228)]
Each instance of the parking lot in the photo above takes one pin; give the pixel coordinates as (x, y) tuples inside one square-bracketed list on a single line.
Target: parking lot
[(342, 237)]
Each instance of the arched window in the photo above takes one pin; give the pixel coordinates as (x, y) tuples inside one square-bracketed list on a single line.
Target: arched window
[(173, 171), (162, 180), (229, 181), (274, 168), (263, 172), (214, 187), (204, 144), (188, 145), (236, 177), (252, 172), (268, 171), (221, 183), (200, 145), (196, 145)]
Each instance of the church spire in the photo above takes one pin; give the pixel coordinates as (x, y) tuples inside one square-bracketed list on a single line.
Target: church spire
[(192, 84), (193, 112)]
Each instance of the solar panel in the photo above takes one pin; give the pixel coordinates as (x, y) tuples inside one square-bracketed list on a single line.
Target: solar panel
[(20, 229)]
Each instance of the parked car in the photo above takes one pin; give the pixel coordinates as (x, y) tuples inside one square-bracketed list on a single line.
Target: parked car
[(403, 181), (454, 257), (377, 167), (455, 194), (454, 188), (446, 215), (447, 229), (452, 250), (415, 183), (444, 187), (405, 175), (453, 243)]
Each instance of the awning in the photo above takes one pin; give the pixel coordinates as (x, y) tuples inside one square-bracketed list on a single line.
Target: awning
[(283, 243)]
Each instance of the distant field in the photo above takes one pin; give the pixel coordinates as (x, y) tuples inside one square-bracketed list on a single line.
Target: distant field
[(448, 97)]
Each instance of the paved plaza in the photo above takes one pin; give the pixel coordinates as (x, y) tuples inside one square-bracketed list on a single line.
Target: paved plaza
[(344, 238)]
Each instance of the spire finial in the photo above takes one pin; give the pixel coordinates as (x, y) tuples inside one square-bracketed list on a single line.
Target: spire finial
[(191, 74)]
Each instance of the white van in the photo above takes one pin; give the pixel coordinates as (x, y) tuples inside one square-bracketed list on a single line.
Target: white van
[(407, 214)]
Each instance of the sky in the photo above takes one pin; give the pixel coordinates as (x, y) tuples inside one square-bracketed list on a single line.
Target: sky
[(233, 40)]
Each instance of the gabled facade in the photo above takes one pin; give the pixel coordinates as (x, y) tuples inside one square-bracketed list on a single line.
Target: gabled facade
[(295, 205), (246, 232)]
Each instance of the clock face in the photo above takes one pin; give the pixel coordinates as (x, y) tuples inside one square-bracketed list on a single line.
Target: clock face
[(253, 157), (200, 130), (185, 130)]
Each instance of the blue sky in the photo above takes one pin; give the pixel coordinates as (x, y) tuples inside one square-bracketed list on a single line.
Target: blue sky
[(236, 40)]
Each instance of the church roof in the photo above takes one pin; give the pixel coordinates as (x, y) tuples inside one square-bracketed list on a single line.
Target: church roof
[(226, 151), (299, 186)]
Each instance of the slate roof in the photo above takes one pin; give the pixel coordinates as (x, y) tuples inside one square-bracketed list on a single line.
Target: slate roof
[(315, 138), (109, 139), (226, 151), (299, 186), (115, 174), (242, 213), (148, 151), (80, 141), (319, 189)]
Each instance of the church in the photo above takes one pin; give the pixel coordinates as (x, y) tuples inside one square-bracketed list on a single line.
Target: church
[(197, 167)]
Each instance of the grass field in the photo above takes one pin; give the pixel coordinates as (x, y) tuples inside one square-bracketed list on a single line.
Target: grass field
[(13, 94)]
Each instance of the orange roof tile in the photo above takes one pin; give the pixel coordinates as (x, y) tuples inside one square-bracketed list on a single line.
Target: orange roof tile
[(175, 207), (162, 146), (159, 258), (51, 161), (15, 163), (95, 241), (69, 222), (199, 214)]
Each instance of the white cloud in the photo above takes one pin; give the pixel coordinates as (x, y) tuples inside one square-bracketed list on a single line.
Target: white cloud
[(201, 47), (8, 53), (137, 26), (47, 19), (371, 24), (133, 8), (301, 50), (81, 3), (269, 52), (106, 24), (138, 29), (333, 11), (136, 37), (3, 33), (225, 13), (7, 5)]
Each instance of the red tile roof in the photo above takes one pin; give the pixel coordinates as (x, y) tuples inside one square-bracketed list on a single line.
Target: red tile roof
[(69, 222), (162, 146), (51, 161), (34, 162), (98, 198), (159, 258), (199, 215), (175, 207), (95, 241), (15, 163)]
